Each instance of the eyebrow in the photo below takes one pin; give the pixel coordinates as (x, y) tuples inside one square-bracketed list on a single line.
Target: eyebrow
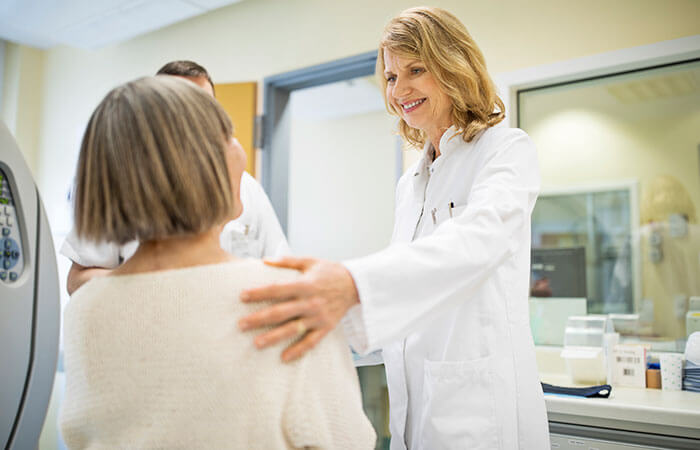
[(407, 66)]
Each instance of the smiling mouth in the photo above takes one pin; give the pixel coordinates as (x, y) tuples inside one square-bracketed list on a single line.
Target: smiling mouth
[(408, 107)]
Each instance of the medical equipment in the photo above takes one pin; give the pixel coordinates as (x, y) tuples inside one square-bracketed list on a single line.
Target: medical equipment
[(29, 303), (561, 272)]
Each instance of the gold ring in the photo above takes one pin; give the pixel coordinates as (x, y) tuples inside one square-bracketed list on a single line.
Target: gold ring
[(301, 328)]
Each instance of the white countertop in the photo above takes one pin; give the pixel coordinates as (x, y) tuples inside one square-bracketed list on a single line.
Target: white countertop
[(635, 409)]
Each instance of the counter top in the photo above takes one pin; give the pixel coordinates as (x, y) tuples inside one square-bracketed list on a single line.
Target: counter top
[(675, 413)]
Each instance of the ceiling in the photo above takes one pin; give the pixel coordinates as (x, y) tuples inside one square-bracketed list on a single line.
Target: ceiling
[(660, 86), (91, 24)]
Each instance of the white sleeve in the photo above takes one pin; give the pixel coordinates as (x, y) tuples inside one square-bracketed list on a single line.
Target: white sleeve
[(90, 254), (271, 236), (460, 254)]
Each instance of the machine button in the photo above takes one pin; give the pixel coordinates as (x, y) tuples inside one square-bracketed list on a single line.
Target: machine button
[(13, 276), (15, 254), (6, 264), (2, 220), (5, 231), (9, 221), (7, 210), (8, 244), (3, 276), (7, 253)]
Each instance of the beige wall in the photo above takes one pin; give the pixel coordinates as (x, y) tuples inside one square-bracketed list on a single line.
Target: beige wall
[(21, 109), (257, 38)]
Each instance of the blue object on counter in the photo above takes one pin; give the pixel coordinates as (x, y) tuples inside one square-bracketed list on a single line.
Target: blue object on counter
[(653, 366), (602, 391)]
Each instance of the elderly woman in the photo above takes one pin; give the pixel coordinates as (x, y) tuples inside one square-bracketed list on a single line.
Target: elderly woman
[(151, 357), (447, 302)]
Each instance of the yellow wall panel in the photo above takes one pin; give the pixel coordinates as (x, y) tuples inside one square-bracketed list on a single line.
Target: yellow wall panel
[(239, 101)]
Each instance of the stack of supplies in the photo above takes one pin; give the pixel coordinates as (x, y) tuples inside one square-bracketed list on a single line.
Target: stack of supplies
[(691, 377), (691, 374)]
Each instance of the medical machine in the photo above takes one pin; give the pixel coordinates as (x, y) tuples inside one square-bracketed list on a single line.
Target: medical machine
[(29, 303), (558, 272)]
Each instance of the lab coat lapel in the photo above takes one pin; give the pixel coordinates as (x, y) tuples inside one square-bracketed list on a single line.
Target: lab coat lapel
[(409, 220)]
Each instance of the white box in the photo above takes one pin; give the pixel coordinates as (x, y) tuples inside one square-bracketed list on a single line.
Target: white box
[(585, 365), (629, 365)]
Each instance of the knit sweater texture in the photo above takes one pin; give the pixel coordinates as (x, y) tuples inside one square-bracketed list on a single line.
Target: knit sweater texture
[(157, 361)]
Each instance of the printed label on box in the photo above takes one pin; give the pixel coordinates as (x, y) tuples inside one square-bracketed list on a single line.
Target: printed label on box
[(629, 366)]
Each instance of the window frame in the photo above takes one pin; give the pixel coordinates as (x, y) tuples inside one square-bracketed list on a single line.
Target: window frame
[(632, 188)]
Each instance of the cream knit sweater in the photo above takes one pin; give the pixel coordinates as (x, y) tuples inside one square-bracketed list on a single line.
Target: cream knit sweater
[(156, 361)]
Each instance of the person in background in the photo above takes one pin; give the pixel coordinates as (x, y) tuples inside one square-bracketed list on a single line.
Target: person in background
[(447, 302), (257, 233), (152, 359), (669, 243)]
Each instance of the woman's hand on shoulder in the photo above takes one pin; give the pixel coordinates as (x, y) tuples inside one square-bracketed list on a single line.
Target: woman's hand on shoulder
[(309, 307)]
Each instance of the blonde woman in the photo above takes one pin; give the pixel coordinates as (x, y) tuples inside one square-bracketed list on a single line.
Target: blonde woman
[(447, 302), (152, 357)]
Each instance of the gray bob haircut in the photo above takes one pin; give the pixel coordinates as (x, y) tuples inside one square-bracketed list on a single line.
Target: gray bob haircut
[(152, 163)]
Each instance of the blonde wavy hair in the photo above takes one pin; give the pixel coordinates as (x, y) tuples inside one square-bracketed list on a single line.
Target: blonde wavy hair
[(441, 42)]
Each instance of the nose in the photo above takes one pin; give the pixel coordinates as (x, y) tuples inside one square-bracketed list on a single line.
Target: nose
[(401, 87)]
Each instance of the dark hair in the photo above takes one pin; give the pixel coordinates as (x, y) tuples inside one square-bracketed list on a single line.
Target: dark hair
[(185, 68)]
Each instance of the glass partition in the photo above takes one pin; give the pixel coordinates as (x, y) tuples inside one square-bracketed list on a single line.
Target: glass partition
[(599, 222), (620, 166)]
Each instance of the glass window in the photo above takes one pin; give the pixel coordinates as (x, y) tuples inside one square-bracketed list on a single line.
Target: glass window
[(598, 222), (620, 167)]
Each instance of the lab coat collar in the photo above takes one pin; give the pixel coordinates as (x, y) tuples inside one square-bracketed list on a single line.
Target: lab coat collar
[(448, 142)]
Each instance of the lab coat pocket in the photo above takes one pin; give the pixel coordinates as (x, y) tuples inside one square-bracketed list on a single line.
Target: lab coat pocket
[(459, 408)]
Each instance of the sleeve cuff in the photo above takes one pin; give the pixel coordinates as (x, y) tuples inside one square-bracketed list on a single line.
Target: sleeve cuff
[(355, 331), (360, 321), (88, 254)]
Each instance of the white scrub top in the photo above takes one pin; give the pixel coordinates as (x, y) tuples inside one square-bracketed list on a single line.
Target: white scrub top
[(256, 233), (447, 302)]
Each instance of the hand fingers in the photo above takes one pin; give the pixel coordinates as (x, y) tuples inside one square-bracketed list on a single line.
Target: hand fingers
[(275, 292), (290, 262), (275, 314), (309, 341), (291, 329)]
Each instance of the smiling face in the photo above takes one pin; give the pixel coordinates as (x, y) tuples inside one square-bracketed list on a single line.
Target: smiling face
[(415, 95)]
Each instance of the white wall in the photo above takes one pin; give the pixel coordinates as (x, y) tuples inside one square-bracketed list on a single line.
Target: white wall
[(342, 172)]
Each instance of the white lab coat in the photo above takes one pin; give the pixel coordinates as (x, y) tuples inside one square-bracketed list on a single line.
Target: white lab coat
[(448, 301), (256, 234)]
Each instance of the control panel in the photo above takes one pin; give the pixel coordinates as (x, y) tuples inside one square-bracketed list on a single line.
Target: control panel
[(11, 258)]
